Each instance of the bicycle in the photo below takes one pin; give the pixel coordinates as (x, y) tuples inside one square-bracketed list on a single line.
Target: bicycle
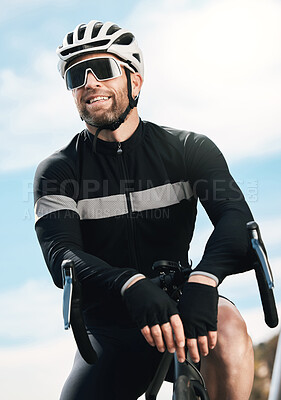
[(188, 381)]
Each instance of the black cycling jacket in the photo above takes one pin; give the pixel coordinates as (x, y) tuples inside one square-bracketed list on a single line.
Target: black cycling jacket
[(116, 211)]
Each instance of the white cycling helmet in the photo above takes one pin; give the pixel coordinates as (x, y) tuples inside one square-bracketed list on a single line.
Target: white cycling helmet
[(99, 37)]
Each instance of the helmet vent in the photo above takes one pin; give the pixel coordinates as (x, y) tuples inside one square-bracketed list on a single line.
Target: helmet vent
[(85, 46), (137, 56), (81, 32), (125, 39), (96, 28), (70, 38), (100, 37), (113, 29)]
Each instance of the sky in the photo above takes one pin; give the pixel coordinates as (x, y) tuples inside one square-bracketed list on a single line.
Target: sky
[(211, 66)]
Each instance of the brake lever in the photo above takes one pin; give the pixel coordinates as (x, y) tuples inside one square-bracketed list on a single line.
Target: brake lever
[(259, 249), (264, 275), (67, 276), (72, 312)]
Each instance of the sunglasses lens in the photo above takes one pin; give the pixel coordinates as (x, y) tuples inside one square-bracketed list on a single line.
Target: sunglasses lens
[(102, 68), (105, 68), (75, 76)]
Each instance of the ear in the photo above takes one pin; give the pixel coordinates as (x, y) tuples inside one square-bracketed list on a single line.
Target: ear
[(136, 80)]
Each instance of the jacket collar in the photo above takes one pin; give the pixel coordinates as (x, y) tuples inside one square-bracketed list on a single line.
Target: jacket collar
[(105, 147)]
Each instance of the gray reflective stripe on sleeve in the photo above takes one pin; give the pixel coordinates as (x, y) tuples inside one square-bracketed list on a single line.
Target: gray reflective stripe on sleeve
[(161, 196), (53, 202), (103, 207), (206, 274)]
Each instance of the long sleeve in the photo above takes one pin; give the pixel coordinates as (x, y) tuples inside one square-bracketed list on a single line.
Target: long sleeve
[(228, 247), (59, 232)]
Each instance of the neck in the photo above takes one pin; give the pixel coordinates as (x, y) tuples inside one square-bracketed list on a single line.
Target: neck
[(124, 131)]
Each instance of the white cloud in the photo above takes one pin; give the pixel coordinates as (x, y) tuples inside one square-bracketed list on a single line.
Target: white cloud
[(38, 115), (214, 69), (165, 392), (270, 230), (36, 354), (32, 313), (36, 371), (14, 8), (257, 328), (23, 3)]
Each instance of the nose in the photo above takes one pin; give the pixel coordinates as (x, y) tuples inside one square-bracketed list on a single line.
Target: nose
[(91, 80)]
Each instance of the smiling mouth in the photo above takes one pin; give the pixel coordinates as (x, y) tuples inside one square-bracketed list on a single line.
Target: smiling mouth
[(98, 99)]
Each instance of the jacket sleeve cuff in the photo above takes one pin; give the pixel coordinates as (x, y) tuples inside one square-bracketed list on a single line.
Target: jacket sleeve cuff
[(127, 283), (214, 277)]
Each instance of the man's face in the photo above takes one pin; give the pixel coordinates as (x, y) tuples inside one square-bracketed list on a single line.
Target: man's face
[(101, 102)]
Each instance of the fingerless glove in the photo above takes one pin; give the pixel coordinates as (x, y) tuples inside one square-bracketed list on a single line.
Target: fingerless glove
[(198, 308), (148, 304)]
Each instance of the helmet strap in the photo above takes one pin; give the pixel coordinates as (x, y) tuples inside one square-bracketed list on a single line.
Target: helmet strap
[(132, 102)]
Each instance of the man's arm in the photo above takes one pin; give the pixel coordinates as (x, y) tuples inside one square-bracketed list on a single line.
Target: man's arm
[(227, 249), (58, 229)]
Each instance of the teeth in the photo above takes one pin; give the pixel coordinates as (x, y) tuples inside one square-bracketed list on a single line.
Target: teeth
[(98, 98)]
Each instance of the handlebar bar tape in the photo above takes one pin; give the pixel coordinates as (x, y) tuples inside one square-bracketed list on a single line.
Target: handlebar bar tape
[(72, 312), (264, 275)]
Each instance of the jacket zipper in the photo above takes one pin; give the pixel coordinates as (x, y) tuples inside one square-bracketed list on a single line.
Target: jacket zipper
[(132, 235)]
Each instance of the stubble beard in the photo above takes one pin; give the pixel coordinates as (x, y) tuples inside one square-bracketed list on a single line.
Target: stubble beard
[(108, 117)]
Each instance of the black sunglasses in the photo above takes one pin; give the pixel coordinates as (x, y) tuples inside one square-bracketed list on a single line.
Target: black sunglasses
[(103, 68)]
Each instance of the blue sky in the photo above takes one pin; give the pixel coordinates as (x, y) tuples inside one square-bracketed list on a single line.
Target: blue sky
[(227, 85)]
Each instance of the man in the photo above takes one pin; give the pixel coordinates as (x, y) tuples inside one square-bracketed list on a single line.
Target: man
[(123, 195)]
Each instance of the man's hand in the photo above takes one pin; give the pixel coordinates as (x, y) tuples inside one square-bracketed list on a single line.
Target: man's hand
[(170, 335), (198, 309), (156, 315)]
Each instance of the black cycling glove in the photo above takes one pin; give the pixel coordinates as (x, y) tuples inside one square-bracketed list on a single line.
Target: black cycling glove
[(198, 307), (148, 304)]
